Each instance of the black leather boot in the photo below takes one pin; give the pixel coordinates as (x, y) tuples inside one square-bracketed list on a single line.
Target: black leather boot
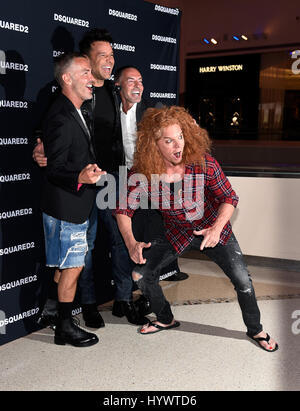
[(49, 315), (91, 316), (66, 332), (127, 309)]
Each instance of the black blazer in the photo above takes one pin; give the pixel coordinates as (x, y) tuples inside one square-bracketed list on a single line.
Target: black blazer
[(68, 149)]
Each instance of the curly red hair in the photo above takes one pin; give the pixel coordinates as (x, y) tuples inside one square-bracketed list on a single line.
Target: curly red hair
[(147, 159)]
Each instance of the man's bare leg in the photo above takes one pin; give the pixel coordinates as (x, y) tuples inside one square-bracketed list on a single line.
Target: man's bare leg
[(67, 283), (57, 275)]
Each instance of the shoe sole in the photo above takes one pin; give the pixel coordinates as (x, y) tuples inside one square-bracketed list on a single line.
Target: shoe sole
[(176, 279), (92, 325), (142, 322), (61, 341)]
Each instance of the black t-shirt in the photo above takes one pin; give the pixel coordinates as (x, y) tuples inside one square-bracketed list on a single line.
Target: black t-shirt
[(107, 131)]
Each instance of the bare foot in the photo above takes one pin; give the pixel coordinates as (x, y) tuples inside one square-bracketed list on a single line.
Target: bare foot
[(267, 345), (156, 326)]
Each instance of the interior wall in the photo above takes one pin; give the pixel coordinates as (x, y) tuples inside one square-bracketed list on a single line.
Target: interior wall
[(266, 222)]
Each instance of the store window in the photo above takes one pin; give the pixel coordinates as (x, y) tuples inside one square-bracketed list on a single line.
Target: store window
[(250, 105)]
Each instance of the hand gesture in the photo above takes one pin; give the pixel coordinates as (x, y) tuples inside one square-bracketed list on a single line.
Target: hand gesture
[(90, 174), (211, 237), (136, 252), (38, 153)]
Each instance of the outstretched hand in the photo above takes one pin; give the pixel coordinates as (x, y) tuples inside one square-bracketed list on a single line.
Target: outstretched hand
[(136, 252), (211, 237)]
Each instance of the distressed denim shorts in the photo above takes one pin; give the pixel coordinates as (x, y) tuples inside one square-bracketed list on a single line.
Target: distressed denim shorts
[(65, 243)]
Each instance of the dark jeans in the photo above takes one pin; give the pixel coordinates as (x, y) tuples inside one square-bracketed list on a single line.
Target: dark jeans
[(121, 263), (147, 224), (228, 257), (120, 260)]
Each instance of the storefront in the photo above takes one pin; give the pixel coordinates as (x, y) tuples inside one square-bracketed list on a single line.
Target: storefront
[(250, 105)]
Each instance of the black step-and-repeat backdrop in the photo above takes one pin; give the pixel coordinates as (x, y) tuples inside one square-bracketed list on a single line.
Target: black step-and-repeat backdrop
[(31, 34)]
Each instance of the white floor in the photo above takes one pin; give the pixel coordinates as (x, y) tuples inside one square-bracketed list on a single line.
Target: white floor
[(209, 351)]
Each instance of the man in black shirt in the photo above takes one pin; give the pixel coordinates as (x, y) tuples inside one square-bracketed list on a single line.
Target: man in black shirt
[(105, 119), (107, 136)]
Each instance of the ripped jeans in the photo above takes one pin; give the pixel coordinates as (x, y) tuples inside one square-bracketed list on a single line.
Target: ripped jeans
[(228, 257), (65, 242)]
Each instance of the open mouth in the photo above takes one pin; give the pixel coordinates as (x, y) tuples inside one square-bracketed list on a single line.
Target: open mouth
[(177, 154), (136, 93), (107, 69)]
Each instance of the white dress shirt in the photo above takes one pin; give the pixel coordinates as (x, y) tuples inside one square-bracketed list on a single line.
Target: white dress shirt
[(128, 124), (83, 120)]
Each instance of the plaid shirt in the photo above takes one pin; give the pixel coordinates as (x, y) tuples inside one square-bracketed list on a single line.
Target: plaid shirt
[(194, 207)]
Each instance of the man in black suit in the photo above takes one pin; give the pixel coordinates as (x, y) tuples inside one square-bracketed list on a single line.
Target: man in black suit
[(69, 189)]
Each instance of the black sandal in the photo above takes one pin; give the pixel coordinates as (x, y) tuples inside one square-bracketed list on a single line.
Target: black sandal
[(267, 339)]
